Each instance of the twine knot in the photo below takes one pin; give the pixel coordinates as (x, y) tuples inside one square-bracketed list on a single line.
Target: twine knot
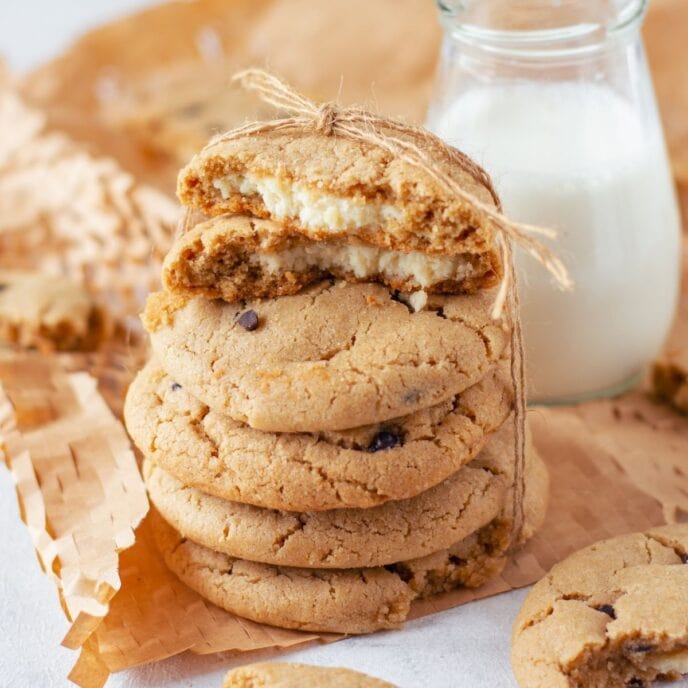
[(411, 144), (326, 119)]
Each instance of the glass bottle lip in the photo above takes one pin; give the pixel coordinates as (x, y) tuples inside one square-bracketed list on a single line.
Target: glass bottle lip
[(575, 39)]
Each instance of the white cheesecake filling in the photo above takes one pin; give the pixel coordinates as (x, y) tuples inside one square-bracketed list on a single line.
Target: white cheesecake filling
[(669, 662), (365, 262), (314, 209)]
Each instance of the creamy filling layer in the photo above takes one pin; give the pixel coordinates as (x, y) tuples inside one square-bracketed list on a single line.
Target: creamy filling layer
[(675, 662), (366, 261), (312, 208)]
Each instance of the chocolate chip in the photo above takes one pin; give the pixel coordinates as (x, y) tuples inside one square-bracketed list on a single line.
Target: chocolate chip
[(176, 386), (635, 682), (684, 558), (412, 396), (383, 440), (607, 609), (440, 313), (639, 647), (248, 320)]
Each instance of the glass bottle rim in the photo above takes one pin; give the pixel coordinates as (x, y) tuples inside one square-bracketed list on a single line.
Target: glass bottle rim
[(574, 39)]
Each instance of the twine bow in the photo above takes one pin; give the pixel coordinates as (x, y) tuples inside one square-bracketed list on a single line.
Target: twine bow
[(420, 148)]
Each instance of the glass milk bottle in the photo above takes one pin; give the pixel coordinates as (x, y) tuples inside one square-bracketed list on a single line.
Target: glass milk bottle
[(554, 99)]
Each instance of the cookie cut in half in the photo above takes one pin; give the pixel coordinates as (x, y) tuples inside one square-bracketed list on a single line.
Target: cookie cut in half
[(49, 313), (235, 257), (333, 357), (360, 468), (345, 207), (290, 675), (613, 615)]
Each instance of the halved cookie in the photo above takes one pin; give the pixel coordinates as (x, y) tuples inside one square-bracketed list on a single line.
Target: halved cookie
[(40, 311), (236, 257), (361, 468), (332, 357), (342, 192), (613, 615)]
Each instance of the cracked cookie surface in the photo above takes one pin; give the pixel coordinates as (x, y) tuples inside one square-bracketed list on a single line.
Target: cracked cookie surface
[(612, 615), (316, 471), (348, 600), (343, 538), (330, 358), (291, 675), (48, 313)]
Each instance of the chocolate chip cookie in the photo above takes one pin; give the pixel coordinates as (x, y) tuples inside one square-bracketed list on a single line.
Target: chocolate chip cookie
[(614, 614), (364, 467), (333, 357)]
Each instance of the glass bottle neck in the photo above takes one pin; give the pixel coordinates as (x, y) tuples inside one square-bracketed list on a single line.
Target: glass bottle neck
[(541, 29)]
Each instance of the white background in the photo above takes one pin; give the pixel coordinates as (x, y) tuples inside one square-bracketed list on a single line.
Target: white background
[(467, 647)]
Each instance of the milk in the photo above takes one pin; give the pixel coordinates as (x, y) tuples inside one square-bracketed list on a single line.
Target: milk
[(578, 158)]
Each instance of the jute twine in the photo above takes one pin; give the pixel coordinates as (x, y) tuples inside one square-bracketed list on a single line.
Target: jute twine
[(420, 148)]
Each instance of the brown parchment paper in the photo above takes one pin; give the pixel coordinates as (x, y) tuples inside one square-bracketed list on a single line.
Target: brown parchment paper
[(129, 116)]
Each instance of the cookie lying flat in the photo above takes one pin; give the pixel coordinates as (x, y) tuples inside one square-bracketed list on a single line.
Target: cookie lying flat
[(237, 257), (324, 188), (288, 675), (311, 472), (342, 538), (330, 358), (49, 313), (612, 615), (349, 600)]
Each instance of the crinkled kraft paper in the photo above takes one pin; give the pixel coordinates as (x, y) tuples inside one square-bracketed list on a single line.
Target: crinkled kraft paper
[(616, 466), (77, 480)]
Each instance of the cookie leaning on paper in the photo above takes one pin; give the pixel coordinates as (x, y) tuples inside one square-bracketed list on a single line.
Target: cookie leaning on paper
[(332, 357), (236, 257), (613, 615), (288, 675), (45, 312), (361, 468), (352, 207)]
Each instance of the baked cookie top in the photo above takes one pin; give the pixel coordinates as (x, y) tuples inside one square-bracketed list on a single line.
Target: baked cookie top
[(343, 538), (612, 614), (326, 186), (332, 357), (237, 257), (348, 600), (363, 467), (45, 312), (289, 675)]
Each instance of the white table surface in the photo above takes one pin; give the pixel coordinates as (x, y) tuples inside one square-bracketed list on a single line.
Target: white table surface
[(466, 647)]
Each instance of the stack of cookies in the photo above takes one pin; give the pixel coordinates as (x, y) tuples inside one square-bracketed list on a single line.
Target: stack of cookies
[(327, 417)]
